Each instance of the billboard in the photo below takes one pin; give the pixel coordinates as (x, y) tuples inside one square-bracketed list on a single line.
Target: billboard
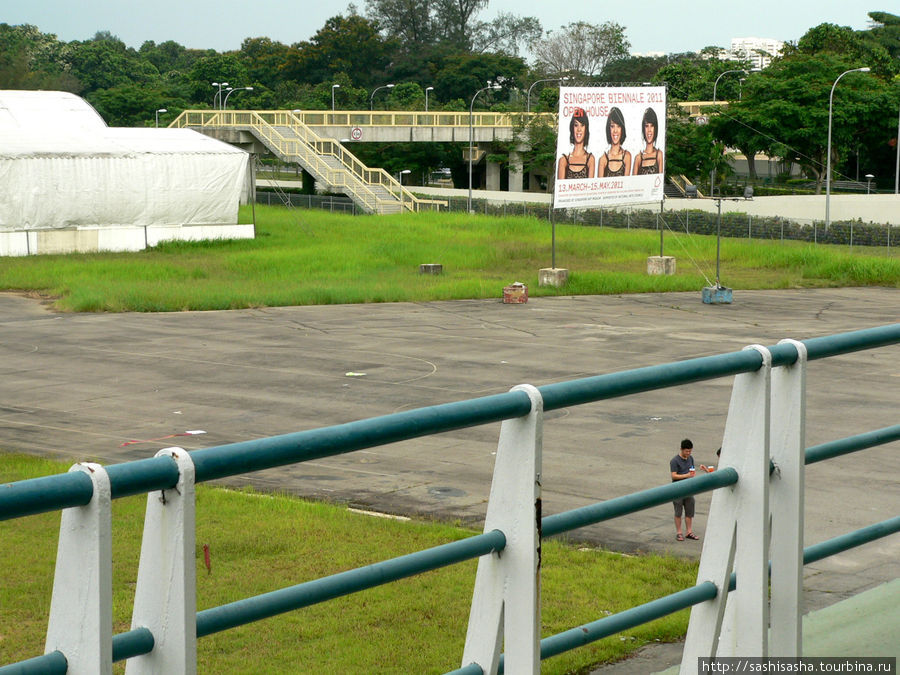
[(610, 148)]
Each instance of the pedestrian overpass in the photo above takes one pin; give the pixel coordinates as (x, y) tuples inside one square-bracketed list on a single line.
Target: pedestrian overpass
[(319, 141)]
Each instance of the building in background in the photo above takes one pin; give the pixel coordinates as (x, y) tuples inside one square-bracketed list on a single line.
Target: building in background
[(758, 51)]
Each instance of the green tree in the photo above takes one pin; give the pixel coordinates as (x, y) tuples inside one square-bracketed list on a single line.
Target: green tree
[(456, 21), (412, 24), (264, 60), (827, 38), (690, 148), (350, 44), (464, 74), (691, 77), (215, 67), (30, 59), (787, 104), (104, 62), (633, 69), (886, 33)]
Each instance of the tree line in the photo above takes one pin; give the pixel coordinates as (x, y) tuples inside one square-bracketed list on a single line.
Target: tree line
[(443, 47)]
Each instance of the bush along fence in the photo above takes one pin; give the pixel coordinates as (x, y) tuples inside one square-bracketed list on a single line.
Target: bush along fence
[(750, 576)]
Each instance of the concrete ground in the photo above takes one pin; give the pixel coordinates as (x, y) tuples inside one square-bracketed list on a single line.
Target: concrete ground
[(116, 387)]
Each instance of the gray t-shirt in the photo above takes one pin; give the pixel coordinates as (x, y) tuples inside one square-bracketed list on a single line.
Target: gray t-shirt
[(681, 465)]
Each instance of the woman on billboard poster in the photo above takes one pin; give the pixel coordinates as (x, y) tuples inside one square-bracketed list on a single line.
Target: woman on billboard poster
[(650, 159), (579, 163), (617, 160)]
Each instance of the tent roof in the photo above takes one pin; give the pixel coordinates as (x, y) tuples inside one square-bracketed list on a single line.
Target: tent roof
[(43, 110), (59, 124)]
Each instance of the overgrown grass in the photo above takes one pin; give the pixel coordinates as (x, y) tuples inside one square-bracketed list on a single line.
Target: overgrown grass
[(260, 543), (304, 257)]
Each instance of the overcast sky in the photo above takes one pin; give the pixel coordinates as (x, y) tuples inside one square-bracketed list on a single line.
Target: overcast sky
[(651, 25)]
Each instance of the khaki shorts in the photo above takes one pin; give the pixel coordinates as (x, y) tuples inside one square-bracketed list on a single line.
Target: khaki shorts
[(685, 504)]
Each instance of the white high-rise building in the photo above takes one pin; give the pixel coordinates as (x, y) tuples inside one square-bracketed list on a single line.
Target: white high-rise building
[(759, 51)]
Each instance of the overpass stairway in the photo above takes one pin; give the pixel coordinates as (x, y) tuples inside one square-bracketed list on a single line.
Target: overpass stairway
[(327, 160)]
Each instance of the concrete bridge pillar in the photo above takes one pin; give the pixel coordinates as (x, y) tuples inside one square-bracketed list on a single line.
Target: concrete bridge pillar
[(516, 172), (492, 175)]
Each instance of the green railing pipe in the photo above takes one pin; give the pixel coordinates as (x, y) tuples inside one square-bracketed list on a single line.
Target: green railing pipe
[(870, 439), (48, 493), (133, 643), (845, 343), (614, 385), (53, 663), (636, 616), (850, 540), (327, 588), (266, 453), (636, 501)]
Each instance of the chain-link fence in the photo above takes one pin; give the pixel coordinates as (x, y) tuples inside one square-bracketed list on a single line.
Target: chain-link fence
[(734, 225), (333, 203)]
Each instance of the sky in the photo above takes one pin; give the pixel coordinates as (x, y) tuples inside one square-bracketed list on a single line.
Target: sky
[(665, 26)]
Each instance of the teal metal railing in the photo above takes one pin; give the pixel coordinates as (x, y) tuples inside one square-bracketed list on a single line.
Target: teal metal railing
[(159, 473)]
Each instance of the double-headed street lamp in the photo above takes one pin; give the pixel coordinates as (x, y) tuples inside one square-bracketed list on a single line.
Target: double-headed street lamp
[(471, 113), (550, 79), (372, 97), (712, 173), (333, 87), (427, 89), (231, 90), (217, 99), (828, 148)]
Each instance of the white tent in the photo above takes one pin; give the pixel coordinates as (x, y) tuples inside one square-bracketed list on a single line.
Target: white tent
[(69, 182)]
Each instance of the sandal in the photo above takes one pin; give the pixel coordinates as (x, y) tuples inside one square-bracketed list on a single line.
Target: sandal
[(691, 535), (679, 537)]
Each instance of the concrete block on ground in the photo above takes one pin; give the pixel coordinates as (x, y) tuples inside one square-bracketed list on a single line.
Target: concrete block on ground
[(515, 294), (661, 264), (553, 276), (717, 295)]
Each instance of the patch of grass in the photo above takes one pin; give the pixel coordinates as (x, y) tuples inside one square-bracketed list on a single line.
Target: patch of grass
[(314, 257), (261, 543)]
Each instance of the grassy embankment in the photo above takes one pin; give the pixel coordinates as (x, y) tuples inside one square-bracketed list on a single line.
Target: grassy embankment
[(309, 257), (260, 543)]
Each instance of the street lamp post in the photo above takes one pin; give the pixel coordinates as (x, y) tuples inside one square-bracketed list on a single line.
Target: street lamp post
[(372, 97), (400, 175), (712, 173), (828, 148), (161, 110), (897, 167), (471, 113), (551, 79), (217, 99), (427, 89), (231, 90), (333, 87), (869, 178)]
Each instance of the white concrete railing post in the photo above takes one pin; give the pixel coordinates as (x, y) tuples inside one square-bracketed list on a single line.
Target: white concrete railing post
[(737, 536), (506, 602), (788, 448), (166, 595), (80, 624)]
